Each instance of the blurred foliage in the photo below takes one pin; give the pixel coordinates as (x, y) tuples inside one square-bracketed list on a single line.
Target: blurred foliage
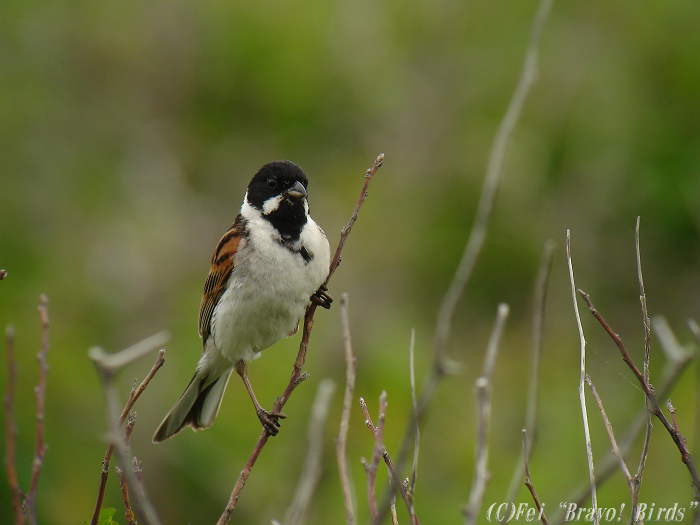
[(129, 131)]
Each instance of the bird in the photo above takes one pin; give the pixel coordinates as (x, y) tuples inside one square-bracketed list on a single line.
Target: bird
[(266, 269)]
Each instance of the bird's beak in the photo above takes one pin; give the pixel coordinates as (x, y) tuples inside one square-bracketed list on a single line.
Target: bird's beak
[(297, 191)]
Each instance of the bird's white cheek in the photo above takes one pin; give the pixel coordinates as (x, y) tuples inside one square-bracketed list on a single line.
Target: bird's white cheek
[(271, 204)]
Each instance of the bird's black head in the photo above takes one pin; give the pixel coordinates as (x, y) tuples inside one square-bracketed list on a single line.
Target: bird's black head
[(278, 190)]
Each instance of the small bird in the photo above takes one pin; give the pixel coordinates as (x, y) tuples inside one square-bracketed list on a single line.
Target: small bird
[(265, 271)]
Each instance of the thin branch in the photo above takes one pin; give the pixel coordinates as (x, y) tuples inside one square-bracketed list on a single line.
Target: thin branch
[(11, 428), (581, 392), (677, 359), (392, 509), (416, 441), (380, 451), (311, 471), (492, 181), (637, 480), (107, 365), (341, 440), (678, 439), (693, 325), (528, 481), (40, 392), (611, 436), (128, 511), (539, 306), (482, 388), (373, 466), (137, 467), (297, 375)]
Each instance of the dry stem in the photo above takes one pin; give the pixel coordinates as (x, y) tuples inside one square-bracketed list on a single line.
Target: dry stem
[(107, 365), (581, 392), (311, 471), (341, 440), (637, 480), (416, 441), (611, 436), (677, 359), (482, 388), (528, 480), (297, 375), (128, 512), (540, 302), (11, 428), (678, 439), (40, 392), (477, 235)]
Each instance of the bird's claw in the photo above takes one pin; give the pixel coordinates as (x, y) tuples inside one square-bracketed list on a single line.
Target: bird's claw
[(270, 421), (322, 298)]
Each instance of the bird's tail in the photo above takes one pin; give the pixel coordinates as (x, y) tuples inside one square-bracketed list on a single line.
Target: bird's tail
[(197, 406)]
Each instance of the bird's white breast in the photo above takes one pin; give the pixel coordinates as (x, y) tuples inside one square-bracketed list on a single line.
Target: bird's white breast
[(269, 288)]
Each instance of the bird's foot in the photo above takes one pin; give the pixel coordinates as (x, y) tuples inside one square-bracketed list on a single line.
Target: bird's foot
[(270, 420), (322, 298)]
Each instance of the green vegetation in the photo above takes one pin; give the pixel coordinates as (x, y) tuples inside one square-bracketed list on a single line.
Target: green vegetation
[(129, 131)]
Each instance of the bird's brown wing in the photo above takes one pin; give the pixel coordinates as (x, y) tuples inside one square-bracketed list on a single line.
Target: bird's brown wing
[(221, 267)]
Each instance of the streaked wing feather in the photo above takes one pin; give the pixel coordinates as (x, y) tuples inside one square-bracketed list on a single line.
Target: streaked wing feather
[(221, 267)]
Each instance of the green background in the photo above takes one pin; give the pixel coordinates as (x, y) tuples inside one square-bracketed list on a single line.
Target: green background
[(129, 131)]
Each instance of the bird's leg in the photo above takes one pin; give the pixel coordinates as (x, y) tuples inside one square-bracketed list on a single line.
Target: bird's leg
[(269, 420), (322, 298)]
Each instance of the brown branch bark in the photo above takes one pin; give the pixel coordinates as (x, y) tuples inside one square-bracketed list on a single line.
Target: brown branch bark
[(135, 394), (124, 487), (297, 375), (380, 452), (677, 359), (528, 481), (676, 436)]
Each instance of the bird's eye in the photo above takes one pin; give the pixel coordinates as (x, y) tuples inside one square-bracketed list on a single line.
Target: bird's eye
[(271, 183)]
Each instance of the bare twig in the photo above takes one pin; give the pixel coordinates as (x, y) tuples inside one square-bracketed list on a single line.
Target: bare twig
[(341, 440), (377, 451), (528, 481), (581, 392), (611, 436), (297, 375), (40, 392), (11, 428), (482, 388), (128, 511), (107, 365), (380, 451), (678, 439), (693, 325), (540, 303), (677, 359), (637, 480), (416, 441), (494, 173), (392, 508), (311, 471), (672, 412), (137, 467)]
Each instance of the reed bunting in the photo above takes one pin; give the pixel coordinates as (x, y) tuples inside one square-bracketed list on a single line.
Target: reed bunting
[(265, 270)]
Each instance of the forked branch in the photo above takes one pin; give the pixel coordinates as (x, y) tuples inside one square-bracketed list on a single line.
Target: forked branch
[(655, 408)]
